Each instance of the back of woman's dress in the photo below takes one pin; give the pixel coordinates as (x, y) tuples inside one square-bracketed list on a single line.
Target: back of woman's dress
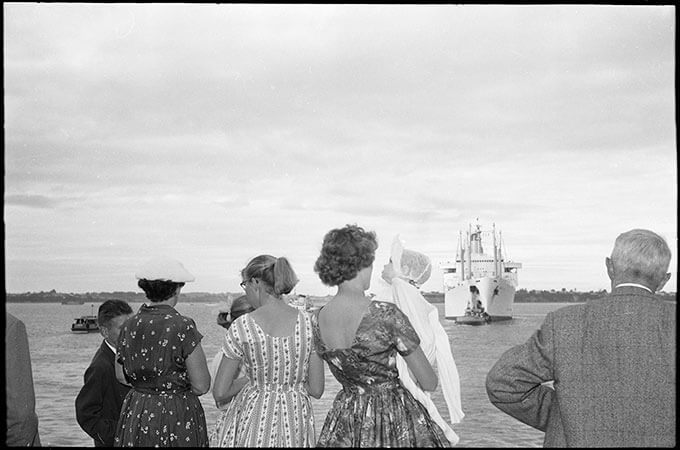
[(373, 409), (274, 408), (160, 410)]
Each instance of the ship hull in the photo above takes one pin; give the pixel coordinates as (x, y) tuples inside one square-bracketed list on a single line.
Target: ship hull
[(496, 295)]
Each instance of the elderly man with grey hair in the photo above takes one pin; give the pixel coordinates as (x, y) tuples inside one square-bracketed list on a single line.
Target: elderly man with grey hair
[(601, 373)]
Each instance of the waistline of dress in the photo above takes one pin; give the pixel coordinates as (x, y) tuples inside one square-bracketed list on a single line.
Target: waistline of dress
[(371, 388), (279, 387), (153, 391)]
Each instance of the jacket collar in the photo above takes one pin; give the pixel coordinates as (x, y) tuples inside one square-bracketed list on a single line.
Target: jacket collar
[(631, 290), (111, 349), (106, 351), (634, 285)]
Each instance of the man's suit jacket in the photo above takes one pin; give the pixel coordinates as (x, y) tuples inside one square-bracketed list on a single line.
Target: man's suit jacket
[(22, 421), (612, 361), (100, 400)]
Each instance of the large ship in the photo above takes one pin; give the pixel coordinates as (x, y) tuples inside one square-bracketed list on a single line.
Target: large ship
[(479, 287)]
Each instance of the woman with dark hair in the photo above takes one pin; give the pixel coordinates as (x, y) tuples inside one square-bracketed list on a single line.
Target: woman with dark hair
[(359, 339), (274, 343), (160, 356)]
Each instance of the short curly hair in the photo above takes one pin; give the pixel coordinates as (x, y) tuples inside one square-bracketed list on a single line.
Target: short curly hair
[(344, 252)]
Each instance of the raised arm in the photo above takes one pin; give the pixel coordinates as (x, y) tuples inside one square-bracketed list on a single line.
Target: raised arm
[(421, 369)]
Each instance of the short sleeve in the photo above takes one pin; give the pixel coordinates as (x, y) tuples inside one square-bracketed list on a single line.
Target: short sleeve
[(232, 347), (189, 336), (404, 335), (316, 333), (121, 345)]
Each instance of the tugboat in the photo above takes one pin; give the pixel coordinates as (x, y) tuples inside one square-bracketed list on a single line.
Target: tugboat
[(474, 312), (85, 324), (479, 287)]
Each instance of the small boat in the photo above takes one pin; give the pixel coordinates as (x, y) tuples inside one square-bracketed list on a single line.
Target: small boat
[(85, 324)]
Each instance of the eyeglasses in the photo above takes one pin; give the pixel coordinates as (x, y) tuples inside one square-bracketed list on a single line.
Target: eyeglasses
[(245, 282)]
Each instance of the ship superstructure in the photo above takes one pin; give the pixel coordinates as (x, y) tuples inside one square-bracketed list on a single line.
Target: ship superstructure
[(479, 282)]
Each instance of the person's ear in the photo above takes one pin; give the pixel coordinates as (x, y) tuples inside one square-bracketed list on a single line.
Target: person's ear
[(610, 268), (663, 282)]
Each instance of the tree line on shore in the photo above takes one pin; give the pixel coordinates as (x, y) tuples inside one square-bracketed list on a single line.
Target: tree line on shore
[(521, 296)]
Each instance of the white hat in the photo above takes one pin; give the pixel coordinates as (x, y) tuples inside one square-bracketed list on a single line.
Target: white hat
[(165, 269), (411, 264)]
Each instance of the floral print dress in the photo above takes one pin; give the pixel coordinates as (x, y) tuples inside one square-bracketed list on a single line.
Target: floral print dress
[(160, 410), (373, 409), (273, 409)]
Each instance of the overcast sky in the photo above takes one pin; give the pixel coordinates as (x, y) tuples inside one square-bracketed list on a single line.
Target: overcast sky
[(214, 133)]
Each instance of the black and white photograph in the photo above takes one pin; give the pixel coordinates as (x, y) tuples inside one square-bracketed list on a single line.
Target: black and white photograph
[(340, 225)]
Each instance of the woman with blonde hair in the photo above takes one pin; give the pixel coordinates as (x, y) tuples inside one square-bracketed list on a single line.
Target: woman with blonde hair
[(274, 344)]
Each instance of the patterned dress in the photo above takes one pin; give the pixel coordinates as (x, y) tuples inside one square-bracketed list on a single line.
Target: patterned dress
[(373, 409), (274, 408), (160, 410)]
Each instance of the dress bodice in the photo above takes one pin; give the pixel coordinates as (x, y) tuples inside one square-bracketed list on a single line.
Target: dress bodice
[(270, 361), (153, 346), (370, 361)]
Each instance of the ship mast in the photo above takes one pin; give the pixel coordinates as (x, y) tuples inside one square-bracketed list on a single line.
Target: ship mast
[(495, 253), (462, 255), (500, 246), (469, 246)]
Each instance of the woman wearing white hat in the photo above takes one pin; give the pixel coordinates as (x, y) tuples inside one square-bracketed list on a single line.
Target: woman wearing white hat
[(406, 271), (160, 356)]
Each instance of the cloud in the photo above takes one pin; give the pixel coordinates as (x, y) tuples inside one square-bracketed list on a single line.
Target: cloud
[(34, 201), (220, 131)]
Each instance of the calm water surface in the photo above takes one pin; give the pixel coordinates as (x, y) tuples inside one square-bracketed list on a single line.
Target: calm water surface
[(60, 358)]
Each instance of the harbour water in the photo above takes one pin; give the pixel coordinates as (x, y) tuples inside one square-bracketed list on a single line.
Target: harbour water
[(59, 360)]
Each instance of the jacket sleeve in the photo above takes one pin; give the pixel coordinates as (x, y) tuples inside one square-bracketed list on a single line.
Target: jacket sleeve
[(22, 421), (90, 406), (515, 382)]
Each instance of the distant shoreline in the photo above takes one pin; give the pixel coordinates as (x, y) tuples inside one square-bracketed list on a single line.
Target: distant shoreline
[(522, 296)]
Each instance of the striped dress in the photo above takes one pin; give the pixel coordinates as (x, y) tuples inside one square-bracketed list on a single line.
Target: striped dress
[(274, 408)]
